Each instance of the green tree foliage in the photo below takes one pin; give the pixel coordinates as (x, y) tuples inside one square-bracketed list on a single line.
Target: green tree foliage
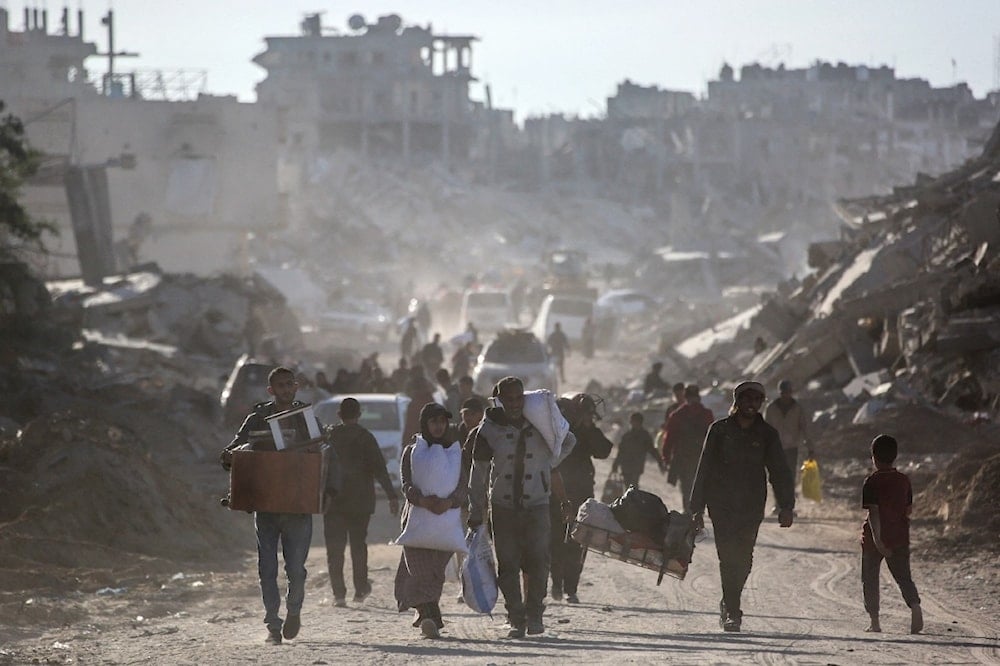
[(18, 162)]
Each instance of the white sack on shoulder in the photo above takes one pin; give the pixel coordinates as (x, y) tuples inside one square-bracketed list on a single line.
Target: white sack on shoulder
[(541, 410), (435, 470)]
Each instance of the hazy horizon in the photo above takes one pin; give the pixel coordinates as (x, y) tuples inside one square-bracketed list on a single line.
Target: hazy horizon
[(569, 55)]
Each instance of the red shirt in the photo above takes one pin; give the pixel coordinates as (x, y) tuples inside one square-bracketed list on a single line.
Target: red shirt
[(890, 491)]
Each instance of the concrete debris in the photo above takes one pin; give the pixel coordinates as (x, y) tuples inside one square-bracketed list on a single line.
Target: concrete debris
[(909, 294), (203, 316)]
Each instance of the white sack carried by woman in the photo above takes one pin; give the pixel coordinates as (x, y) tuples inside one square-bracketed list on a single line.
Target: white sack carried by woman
[(435, 471)]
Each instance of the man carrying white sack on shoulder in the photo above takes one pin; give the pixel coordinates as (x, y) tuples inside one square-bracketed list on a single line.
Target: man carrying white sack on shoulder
[(512, 474)]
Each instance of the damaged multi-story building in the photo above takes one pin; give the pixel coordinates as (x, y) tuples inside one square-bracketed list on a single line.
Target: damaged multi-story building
[(381, 89), (139, 166), (768, 151)]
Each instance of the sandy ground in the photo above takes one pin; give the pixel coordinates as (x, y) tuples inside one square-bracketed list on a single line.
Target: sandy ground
[(802, 605)]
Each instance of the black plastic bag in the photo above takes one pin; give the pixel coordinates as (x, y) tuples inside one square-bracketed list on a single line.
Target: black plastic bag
[(643, 512)]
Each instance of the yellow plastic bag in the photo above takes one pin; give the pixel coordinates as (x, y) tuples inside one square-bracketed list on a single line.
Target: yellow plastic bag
[(812, 485)]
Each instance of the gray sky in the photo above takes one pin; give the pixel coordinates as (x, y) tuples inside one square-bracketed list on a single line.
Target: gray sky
[(568, 55)]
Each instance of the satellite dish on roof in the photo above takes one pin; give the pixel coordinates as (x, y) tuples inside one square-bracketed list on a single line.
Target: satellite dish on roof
[(356, 22), (394, 22)]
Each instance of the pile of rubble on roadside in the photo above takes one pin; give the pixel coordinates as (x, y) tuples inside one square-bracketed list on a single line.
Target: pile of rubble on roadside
[(897, 328), (905, 307), (111, 428)]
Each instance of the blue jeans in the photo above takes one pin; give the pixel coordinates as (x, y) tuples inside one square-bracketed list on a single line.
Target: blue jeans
[(294, 531)]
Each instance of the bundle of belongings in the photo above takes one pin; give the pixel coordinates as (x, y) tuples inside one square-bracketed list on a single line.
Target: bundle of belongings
[(637, 528)]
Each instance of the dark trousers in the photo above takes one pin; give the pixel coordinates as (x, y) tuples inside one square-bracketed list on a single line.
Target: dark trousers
[(792, 456), (521, 540), (630, 477), (567, 555), (682, 472), (338, 528), (899, 567), (735, 538)]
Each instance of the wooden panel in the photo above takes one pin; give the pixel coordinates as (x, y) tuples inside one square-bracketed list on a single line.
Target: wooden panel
[(278, 481)]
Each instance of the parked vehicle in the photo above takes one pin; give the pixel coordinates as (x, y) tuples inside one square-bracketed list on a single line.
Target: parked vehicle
[(384, 414), (246, 386), (514, 352), (623, 303), (569, 311), (358, 317), (489, 311)]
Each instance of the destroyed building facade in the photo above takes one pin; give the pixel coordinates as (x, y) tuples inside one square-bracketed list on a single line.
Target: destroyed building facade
[(380, 89), (198, 170)]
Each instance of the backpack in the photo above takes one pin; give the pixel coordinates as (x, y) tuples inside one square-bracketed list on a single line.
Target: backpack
[(643, 512)]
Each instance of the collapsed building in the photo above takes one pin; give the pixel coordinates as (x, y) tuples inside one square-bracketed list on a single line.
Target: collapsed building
[(138, 166), (904, 306)]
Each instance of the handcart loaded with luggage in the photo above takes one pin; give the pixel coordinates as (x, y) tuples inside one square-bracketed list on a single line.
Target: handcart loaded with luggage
[(638, 529)]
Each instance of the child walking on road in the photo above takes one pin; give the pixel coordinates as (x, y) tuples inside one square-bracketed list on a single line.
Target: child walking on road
[(888, 496)]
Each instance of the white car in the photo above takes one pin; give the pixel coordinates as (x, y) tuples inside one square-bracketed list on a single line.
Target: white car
[(623, 303), (384, 414), (570, 312), (357, 316), (489, 311)]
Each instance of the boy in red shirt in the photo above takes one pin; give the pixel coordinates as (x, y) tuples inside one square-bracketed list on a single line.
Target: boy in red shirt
[(886, 533)]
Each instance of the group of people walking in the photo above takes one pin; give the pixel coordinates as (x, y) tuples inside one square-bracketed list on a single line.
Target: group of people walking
[(505, 471)]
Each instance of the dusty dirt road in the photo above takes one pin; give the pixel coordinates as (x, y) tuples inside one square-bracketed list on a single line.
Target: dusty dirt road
[(802, 605)]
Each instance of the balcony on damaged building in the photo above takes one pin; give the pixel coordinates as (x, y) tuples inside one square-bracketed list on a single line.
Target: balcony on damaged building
[(382, 89)]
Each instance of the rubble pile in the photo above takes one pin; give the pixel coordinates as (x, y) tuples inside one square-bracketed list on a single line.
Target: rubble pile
[(201, 316), (420, 215), (897, 328), (905, 307), (84, 491), (966, 495), (108, 441)]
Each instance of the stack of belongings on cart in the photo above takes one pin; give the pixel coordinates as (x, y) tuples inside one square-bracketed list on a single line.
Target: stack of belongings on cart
[(637, 528)]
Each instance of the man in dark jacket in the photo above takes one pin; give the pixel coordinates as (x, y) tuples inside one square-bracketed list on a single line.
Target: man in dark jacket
[(741, 453), (292, 530), (683, 437), (347, 518), (577, 473)]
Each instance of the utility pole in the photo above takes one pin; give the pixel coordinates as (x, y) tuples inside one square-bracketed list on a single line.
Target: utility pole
[(109, 21)]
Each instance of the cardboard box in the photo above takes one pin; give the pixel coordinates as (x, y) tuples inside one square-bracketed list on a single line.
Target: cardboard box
[(279, 481)]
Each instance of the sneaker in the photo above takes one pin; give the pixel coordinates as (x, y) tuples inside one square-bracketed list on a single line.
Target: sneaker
[(516, 631), (292, 625), (536, 627), (273, 637), (340, 602), (361, 595), (572, 599), (733, 621), (429, 628), (916, 619), (556, 592)]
